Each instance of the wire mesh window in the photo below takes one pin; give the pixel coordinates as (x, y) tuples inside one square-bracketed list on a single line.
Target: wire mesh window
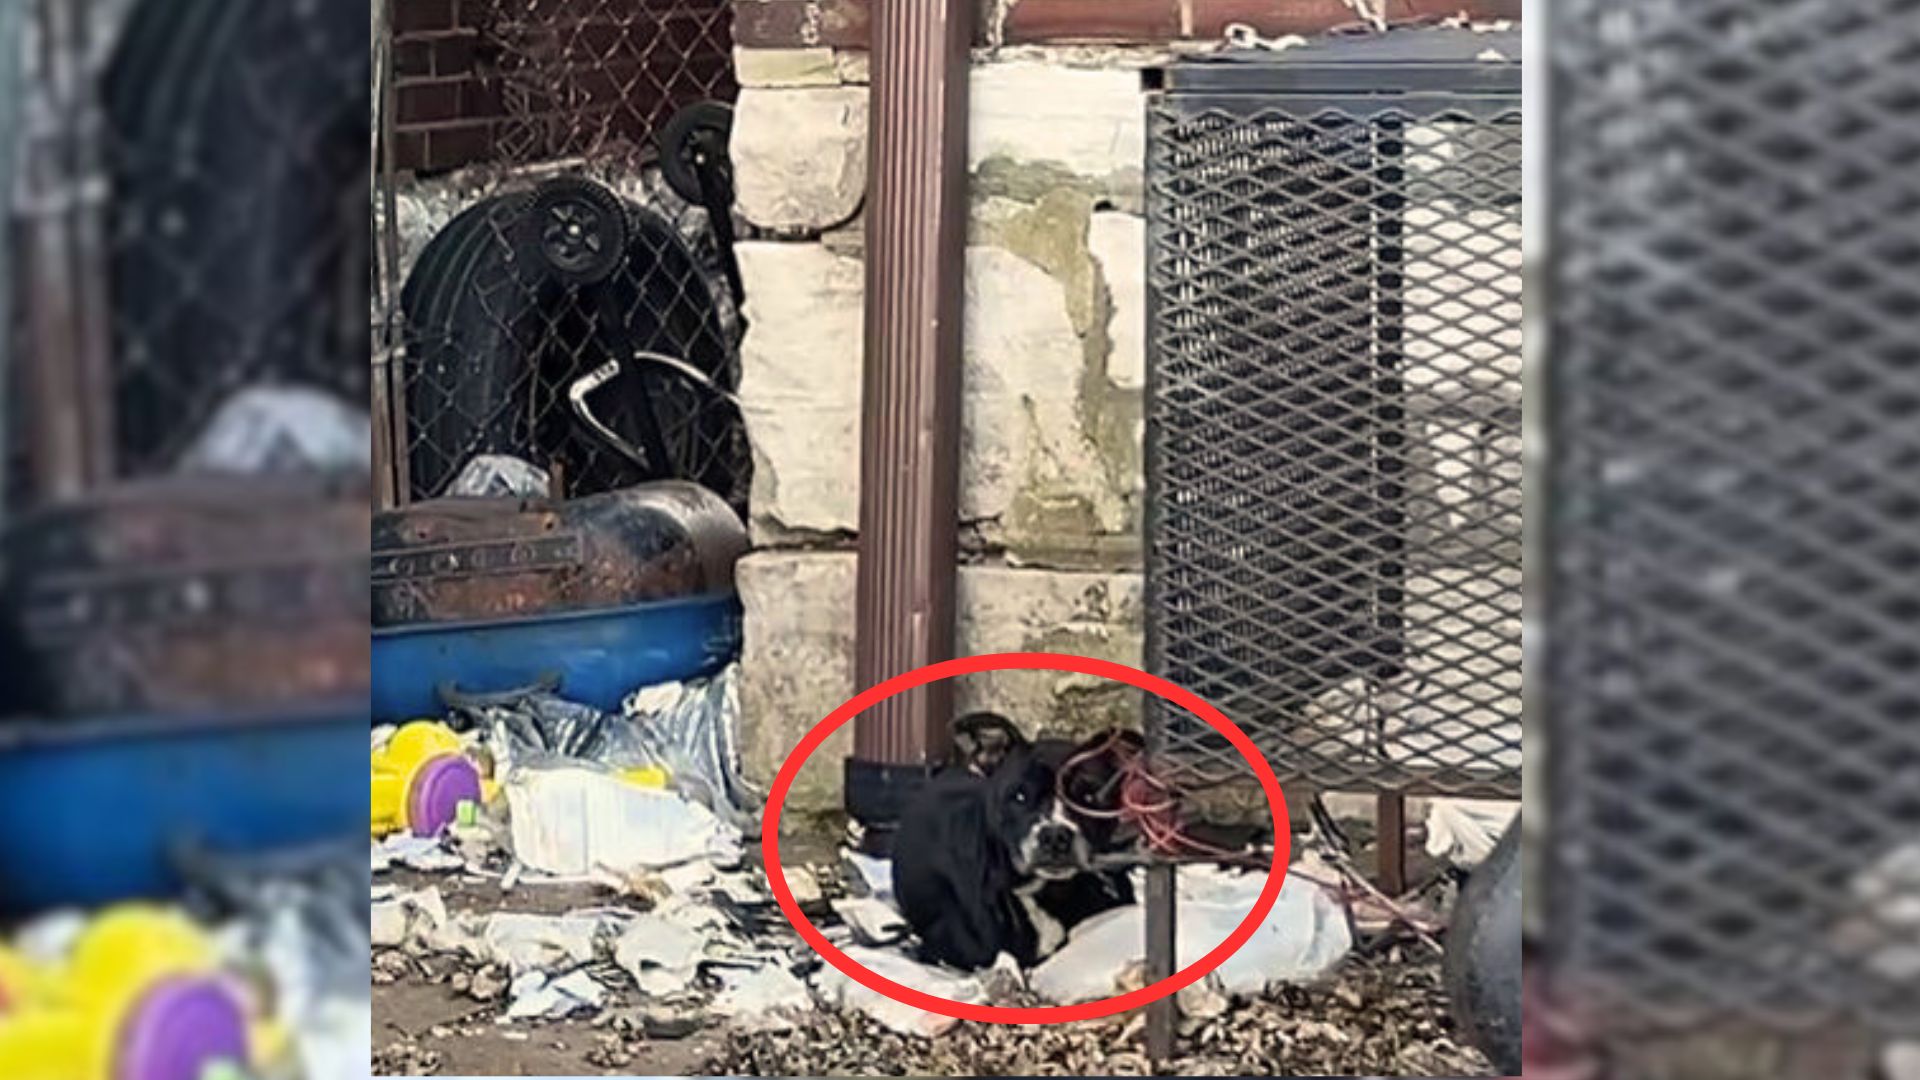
[(1334, 422), (580, 309), (1734, 646)]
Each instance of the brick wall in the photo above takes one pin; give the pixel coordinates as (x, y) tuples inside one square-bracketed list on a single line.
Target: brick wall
[(492, 80), (846, 23)]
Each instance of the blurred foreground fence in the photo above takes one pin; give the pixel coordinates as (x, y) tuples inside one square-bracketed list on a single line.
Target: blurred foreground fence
[(1734, 646)]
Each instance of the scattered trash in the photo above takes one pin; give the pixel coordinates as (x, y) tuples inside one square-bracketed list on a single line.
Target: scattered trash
[(574, 820), (873, 922), (120, 1000), (489, 476), (541, 942), (536, 998), (1491, 56), (406, 916), (662, 955), (763, 999), (421, 778), (1303, 937), (422, 853), (279, 429), (873, 874), (804, 886), (836, 989), (1463, 831), (692, 730)]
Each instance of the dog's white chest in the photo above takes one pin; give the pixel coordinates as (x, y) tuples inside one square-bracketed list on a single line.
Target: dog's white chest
[(1047, 929)]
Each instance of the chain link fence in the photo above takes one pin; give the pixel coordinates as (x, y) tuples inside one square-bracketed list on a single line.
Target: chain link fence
[(1334, 469), (568, 299), (189, 205), (1734, 646)]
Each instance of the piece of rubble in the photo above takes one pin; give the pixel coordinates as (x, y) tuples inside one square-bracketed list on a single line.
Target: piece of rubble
[(540, 942), (871, 876), (803, 884), (765, 999), (422, 853), (835, 988), (401, 917), (662, 955), (537, 997)]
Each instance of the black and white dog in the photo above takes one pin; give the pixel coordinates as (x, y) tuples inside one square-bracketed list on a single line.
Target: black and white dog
[(988, 859)]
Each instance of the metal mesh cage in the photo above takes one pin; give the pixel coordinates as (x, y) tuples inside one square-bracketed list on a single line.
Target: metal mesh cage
[(1333, 434), (1734, 645), (581, 311)]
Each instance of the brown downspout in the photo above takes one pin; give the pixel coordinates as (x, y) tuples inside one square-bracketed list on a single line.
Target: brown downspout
[(910, 423)]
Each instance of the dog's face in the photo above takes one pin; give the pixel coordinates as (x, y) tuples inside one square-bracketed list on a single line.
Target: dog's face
[(1049, 837)]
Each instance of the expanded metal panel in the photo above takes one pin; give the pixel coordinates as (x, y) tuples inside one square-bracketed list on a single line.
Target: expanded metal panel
[(1734, 644), (1333, 433)]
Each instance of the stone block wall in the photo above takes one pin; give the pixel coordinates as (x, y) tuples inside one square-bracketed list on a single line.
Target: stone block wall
[(1052, 484)]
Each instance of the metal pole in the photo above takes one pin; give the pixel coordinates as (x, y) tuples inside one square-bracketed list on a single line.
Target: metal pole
[(910, 434), (12, 24), (1162, 899)]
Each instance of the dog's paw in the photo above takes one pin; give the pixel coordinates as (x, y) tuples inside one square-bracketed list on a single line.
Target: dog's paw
[(1004, 980)]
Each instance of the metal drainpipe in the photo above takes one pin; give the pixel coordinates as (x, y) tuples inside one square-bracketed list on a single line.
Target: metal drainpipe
[(910, 426), (12, 25)]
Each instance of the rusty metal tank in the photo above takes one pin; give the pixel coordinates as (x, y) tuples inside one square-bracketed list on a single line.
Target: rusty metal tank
[(181, 594), (597, 595)]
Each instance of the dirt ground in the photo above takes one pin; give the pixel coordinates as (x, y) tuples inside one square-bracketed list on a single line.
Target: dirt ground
[(1383, 1014)]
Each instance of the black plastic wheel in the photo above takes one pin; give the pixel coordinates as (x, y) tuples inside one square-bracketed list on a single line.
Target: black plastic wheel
[(579, 229), (694, 138)]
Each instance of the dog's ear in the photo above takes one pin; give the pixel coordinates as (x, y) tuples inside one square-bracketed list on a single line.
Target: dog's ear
[(982, 740)]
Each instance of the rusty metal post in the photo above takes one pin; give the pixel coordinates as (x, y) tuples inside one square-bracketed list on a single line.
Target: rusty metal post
[(1162, 945), (910, 431), (1391, 822)]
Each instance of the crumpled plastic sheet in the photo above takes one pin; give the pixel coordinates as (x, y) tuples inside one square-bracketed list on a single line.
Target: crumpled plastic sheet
[(1302, 938), (500, 476), (1464, 831), (280, 429), (692, 730)]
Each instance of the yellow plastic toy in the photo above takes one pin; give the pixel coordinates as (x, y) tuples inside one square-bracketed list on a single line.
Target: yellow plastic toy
[(140, 998), (420, 779)]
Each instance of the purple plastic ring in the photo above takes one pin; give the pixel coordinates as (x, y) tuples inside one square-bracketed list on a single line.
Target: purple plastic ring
[(438, 789), (178, 1029)]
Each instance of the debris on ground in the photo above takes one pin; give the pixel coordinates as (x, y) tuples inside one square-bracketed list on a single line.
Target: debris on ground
[(1464, 831), (1301, 939), (607, 885)]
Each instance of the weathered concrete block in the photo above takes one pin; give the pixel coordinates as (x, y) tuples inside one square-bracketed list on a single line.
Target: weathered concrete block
[(796, 666), (1083, 613), (1088, 123), (800, 386), (1032, 474), (800, 156), (785, 68), (1119, 245), (853, 66)]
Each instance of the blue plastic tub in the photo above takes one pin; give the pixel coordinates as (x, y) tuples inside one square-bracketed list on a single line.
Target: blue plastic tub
[(598, 656), (94, 811)]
